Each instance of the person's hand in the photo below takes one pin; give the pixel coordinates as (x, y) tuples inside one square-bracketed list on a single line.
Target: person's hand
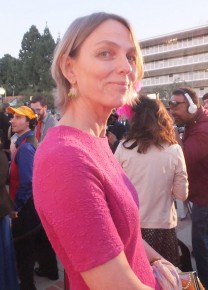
[(178, 138), (13, 214), (111, 138)]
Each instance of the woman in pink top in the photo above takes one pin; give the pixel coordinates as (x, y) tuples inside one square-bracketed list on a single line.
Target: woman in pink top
[(86, 203)]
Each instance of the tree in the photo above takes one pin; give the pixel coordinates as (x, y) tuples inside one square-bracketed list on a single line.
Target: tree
[(43, 55), (30, 75), (36, 58), (26, 56), (9, 74)]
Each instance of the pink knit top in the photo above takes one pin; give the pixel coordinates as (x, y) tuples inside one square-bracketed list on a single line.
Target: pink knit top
[(87, 205)]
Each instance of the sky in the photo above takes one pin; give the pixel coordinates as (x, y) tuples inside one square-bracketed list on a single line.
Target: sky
[(150, 18)]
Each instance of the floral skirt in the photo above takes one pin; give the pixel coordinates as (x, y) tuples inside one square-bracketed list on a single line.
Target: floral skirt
[(165, 242)]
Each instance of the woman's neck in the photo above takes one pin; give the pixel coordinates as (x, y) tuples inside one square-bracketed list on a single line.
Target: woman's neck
[(85, 119)]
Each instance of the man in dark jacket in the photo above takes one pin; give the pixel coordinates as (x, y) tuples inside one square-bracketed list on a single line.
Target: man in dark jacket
[(205, 101), (185, 108), (115, 131)]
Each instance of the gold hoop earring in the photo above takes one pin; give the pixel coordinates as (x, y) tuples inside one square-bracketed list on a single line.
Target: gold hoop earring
[(72, 93)]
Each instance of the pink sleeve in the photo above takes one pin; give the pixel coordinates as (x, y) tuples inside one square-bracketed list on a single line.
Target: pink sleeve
[(70, 200)]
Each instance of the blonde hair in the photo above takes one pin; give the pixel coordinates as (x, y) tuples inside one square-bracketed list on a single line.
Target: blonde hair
[(70, 44)]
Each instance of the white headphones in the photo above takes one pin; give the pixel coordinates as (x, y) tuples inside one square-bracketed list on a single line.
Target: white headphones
[(192, 107)]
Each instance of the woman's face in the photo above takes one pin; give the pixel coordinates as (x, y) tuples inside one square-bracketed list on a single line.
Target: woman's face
[(105, 68)]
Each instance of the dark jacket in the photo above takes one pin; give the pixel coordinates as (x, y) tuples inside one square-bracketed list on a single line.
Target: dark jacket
[(4, 125), (6, 204), (196, 155)]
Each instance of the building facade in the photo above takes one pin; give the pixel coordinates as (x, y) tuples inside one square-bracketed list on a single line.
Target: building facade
[(174, 60)]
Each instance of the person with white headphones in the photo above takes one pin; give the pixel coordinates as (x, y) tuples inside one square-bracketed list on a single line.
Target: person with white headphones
[(205, 101), (186, 110)]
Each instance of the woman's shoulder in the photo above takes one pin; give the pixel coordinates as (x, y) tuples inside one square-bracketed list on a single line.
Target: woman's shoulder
[(124, 147), (67, 144), (173, 148), (60, 137), (125, 144), (66, 133)]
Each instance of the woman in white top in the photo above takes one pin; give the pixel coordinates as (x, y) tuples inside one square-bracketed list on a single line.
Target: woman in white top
[(155, 164)]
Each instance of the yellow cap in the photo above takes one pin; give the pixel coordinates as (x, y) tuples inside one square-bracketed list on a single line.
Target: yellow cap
[(23, 111)]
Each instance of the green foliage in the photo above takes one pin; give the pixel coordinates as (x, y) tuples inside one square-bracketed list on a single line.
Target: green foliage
[(26, 55), (43, 58), (30, 74), (9, 76)]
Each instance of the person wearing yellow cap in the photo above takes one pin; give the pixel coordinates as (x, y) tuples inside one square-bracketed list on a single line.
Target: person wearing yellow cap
[(23, 123)]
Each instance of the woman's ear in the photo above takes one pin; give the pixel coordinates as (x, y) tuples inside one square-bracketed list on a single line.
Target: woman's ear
[(66, 66)]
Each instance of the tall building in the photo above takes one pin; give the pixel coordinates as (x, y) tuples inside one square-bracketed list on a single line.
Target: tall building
[(176, 59)]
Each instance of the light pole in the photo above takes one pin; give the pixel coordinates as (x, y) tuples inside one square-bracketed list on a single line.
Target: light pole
[(2, 92)]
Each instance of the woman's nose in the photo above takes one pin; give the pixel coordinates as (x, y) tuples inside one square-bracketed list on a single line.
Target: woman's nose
[(124, 65)]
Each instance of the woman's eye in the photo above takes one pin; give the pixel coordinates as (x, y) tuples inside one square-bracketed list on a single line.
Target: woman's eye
[(132, 58), (105, 53)]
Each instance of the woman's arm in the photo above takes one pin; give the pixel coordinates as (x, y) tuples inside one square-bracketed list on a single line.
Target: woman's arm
[(178, 138), (24, 158), (115, 274), (152, 255), (180, 182)]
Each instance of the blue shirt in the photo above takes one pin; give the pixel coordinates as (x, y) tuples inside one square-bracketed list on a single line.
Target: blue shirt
[(24, 160)]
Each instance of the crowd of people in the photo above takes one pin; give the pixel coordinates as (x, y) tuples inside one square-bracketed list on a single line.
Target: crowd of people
[(29, 239), (96, 191)]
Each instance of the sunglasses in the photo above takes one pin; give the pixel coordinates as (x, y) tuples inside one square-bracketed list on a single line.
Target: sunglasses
[(173, 104)]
